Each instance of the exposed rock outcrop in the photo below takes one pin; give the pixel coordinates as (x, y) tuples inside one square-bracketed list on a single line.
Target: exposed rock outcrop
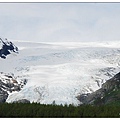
[(3, 96), (9, 84), (6, 48)]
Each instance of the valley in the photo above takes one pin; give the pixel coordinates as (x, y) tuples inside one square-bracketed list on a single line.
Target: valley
[(61, 71)]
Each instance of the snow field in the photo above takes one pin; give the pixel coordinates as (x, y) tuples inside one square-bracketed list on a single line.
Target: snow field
[(61, 71)]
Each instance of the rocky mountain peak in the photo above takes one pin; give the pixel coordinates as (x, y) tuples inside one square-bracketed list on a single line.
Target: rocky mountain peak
[(6, 48)]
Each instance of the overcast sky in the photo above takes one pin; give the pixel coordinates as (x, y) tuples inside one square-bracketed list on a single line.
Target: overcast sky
[(58, 22)]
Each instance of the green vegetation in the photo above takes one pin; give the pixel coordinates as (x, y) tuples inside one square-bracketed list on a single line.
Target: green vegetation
[(34, 110), (110, 97)]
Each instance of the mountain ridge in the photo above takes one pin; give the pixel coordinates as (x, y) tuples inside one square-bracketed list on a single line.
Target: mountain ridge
[(7, 47)]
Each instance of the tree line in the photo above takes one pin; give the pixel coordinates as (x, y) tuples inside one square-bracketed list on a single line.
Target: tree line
[(37, 110)]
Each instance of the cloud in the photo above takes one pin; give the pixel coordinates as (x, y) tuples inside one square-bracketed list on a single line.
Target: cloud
[(57, 22)]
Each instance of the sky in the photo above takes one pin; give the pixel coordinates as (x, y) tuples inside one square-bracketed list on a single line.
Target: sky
[(60, 22)]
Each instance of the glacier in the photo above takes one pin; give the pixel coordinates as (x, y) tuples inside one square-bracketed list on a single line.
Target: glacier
[(61, 71)]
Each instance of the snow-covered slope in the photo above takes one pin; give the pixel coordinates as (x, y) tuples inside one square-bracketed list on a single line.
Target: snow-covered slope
[(61, 71)]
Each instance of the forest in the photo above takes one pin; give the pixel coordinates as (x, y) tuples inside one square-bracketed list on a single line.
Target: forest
[(37, 110)]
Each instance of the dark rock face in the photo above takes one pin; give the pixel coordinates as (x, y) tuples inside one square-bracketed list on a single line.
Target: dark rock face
[(7, 48), (108, 93), (5, 88), (3, 96), (9, 84), (22, 101)]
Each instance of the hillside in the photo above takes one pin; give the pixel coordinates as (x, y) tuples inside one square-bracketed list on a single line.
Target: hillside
[(109, 93)]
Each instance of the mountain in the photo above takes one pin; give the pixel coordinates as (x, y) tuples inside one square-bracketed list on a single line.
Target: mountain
[(60, 72), (6, 48), (56, 72)]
